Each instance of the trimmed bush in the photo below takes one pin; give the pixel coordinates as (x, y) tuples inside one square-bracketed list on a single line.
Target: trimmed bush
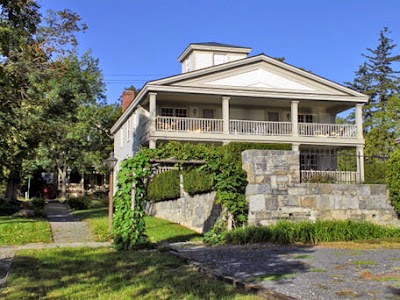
[(38, 202), (164, 186), (79, 203), (393, 179), (197, 181), (286, 232)]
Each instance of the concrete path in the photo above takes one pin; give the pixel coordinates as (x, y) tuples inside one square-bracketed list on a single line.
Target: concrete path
[(65, 228), (67, 232)]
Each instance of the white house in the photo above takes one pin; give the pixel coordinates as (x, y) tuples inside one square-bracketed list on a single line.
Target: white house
[(223, 95)]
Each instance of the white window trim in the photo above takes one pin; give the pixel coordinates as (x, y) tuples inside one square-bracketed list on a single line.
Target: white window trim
[(128, 130)]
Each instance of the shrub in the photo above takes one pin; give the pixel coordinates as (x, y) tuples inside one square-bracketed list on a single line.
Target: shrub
[(164, 186), (79, 203), (320, 178), (8, 208), (286, 232), (38, 203), (393, 179), (197, 180)]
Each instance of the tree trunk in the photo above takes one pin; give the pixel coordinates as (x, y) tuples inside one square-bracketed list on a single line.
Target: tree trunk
[(12, 185), (83, 183), (63, 173)]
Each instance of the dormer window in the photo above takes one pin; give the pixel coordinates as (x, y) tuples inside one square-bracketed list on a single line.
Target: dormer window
[(219, 59), (189, 64)]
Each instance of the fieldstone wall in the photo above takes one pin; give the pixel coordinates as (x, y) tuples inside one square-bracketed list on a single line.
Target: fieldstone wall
[(274, 192), (198, 212)]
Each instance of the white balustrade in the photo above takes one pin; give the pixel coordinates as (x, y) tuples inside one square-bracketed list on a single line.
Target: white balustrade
[(246, 127), (344, 131), (189, 124), (335, 176), (259, 127)]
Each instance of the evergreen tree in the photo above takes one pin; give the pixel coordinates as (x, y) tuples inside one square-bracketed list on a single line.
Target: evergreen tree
[(378, 79)]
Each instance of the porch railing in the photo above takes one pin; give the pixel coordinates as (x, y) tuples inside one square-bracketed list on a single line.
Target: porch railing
[(328, 130), (259, 127), (189, 124), (330, 176)]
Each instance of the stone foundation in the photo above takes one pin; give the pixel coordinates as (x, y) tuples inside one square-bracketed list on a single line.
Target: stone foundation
[(198, 212), (274, 192)]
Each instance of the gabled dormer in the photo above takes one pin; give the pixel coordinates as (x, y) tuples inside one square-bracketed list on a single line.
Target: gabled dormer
[(202, 55)]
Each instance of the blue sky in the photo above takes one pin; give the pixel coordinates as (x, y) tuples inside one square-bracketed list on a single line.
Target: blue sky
[(137, 41)]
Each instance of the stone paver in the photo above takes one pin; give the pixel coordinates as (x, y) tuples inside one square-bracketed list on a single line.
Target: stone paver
[(304, 272), (65, 228)]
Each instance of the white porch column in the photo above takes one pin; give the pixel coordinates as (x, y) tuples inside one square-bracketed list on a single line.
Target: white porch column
[(295, 147), (294, 118), (359, 120), (225, 114), (152, 109), (360, 163), (152, 143)]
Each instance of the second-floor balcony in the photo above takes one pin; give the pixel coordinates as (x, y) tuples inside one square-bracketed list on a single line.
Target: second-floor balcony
[(259, 128)]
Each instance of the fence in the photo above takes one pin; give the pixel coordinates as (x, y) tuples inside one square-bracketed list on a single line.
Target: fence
[(337, 167)]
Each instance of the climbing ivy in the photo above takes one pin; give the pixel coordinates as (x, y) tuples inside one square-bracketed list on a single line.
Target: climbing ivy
[(129, 200), (224, 163)]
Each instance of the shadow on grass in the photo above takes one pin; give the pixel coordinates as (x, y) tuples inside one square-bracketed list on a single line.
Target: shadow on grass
[(103, 274), (91, 213)]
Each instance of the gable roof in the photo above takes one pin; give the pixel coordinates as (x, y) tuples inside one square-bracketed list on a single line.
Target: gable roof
[(256, 76), (260, 73)]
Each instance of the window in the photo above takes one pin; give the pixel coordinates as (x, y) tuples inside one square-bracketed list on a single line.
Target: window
[(208, 113), (309, 161), (307, 118), (121, 136), (273, 116), (128, 130), (219, 59), (189, 64), (173, 112)]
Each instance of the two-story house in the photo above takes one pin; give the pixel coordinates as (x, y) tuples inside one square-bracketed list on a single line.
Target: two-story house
[(223, 95)]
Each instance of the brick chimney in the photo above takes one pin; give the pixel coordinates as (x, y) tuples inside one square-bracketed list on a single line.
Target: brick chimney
[(127, 98)]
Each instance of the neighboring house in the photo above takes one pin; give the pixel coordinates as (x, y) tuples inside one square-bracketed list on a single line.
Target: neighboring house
[(223, 96)]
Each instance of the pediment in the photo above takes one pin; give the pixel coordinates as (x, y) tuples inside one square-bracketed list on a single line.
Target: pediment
[(260, 78), (260, 75)]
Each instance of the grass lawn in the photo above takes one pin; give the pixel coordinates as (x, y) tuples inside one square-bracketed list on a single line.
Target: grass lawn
[(102, 273), (158, 230), (19, 231)]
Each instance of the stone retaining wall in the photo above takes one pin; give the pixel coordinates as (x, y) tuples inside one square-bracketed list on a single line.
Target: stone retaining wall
[(274, 192), (198, 212)]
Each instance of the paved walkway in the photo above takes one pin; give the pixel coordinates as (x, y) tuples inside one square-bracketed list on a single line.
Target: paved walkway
[(301, 272), (66, 230)]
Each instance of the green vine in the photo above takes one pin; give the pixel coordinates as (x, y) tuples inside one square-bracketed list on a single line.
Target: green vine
[(224, 163), (129, 200)]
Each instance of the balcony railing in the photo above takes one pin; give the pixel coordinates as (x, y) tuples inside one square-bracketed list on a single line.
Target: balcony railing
[(318, 176), (328, 130), (260, 127), (246, 127), (189, 124)]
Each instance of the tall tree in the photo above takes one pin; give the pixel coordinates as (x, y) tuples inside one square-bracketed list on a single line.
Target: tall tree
[(26, 49), (379, 80)]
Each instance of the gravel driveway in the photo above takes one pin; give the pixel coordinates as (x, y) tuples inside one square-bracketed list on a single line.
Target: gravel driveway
[(306, 272)]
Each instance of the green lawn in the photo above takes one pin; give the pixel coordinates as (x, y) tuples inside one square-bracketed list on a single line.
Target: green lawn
[(18, 231), (158, 230), (102, 273)]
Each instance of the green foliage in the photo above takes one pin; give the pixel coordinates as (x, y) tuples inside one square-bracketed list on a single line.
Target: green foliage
[(393, 179), (8, 208), (164, 186), (79, 203), (128, 223), (320, 178), (38, 202), (217, 234), (286, 232), (197, 181)]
